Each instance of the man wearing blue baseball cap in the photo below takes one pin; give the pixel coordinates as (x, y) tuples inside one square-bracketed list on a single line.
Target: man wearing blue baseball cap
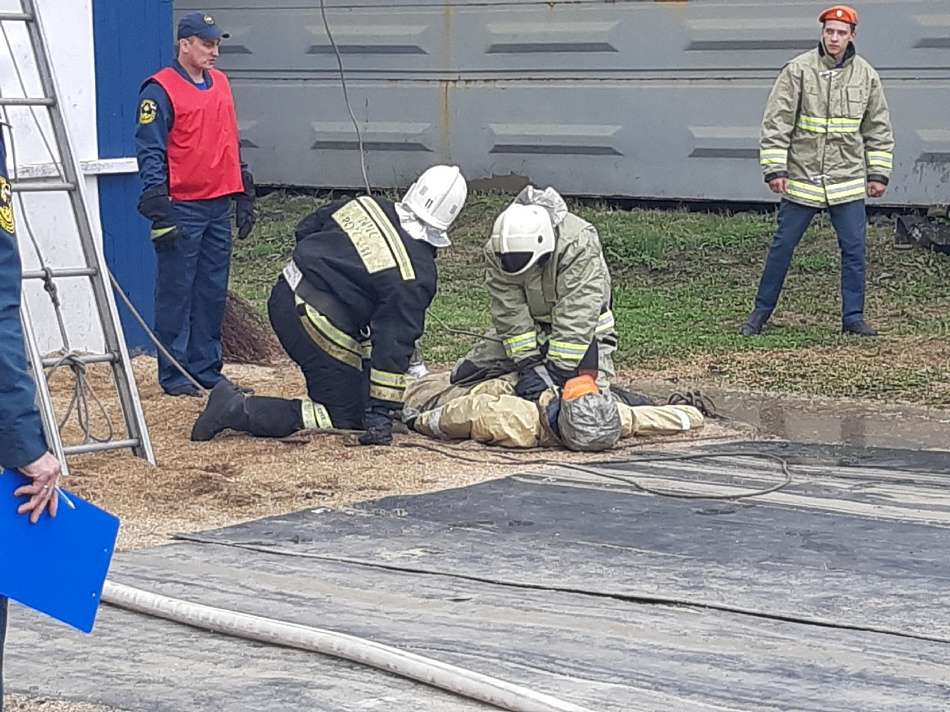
[(187, 147)]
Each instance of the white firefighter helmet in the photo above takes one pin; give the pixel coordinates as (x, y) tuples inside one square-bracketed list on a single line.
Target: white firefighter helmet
[(437, 196), (521, 236)]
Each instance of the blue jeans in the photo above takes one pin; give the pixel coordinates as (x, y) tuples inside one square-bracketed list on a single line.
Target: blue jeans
[(191, 285), (3, 634), (850, 224)]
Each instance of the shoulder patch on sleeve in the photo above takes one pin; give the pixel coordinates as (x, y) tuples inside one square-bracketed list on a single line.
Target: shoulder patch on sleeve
[(147, 111)]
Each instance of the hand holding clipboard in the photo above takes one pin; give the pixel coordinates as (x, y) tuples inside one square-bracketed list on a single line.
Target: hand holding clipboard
[(76, 547)]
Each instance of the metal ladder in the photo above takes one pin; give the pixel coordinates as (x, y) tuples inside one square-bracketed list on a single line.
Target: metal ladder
[(70, 182)]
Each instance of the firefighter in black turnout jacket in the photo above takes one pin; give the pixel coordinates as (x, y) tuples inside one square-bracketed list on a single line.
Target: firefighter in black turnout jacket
[(348, 309)]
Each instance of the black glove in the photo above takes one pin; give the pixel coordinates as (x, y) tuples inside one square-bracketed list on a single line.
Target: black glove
[(378, 422), (532, 382), (164, 238), (155, 205), (244, 206)]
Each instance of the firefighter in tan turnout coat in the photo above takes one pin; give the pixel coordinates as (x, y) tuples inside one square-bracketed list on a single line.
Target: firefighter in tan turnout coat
[(826, 143)]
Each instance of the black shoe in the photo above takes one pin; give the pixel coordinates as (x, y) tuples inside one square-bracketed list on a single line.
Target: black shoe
[(860, 328), (188, 390), (226, 409), (753, 325), (246, 390)]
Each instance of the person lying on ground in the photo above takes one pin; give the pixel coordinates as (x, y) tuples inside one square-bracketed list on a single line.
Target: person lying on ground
[(578, 415)]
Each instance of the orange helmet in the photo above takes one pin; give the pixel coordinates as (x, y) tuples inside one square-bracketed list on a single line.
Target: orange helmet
[(578, 386), (842, 13)]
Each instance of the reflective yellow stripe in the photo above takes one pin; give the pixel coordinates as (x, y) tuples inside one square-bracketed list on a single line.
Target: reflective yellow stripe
[(772, 156), (810, 123), (315, 416), (386, 385), (328, 338), (393, 239), (829, 125), (566, 350), (807, 191), (848, 189), (388, 378), (522, 342), (605, 322), (881, 159), (844, 125), (386, 394)]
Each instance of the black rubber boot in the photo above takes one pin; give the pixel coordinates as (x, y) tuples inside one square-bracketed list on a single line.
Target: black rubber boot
[(226, 409), (270, 417)]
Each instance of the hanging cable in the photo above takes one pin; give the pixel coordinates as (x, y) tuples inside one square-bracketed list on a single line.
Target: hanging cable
[(346, 96)]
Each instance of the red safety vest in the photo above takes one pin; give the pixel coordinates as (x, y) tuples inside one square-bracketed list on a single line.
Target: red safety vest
[(202, 149)]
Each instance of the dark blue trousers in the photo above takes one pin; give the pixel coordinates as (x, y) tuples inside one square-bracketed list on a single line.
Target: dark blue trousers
[(191, 284), (850, 224)]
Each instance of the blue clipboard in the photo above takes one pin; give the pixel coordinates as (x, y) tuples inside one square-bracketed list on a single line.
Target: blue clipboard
[(58, 565)]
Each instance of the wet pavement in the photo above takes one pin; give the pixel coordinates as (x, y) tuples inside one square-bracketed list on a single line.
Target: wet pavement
[(822, 420)]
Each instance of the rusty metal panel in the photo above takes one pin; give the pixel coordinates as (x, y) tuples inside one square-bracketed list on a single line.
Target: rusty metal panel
[(636, 98)]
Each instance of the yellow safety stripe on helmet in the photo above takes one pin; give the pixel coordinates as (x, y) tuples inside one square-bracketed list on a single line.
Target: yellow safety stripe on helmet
[(389, 232), (315, 416), (848, 189), (773, 156), (605, 322), (829, 125), (880, 159), (566, 350), (328, 338), (386, 385), (521, 342), (798, 189)]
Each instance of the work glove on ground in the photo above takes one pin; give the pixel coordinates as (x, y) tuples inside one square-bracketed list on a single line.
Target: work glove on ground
[(378, 422), (155, 205), (533, 381), (244, 206)]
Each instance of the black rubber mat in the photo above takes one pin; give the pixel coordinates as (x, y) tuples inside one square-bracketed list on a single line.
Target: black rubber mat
[(830, 594)]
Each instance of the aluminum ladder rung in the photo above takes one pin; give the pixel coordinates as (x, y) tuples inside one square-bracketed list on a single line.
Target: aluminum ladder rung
[(27, 101), (99, 447), (61, 273), (72, 184), (84, 359), (22, 186)]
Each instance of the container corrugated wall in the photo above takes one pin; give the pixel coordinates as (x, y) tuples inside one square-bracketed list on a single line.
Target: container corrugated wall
[(637, 98)]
